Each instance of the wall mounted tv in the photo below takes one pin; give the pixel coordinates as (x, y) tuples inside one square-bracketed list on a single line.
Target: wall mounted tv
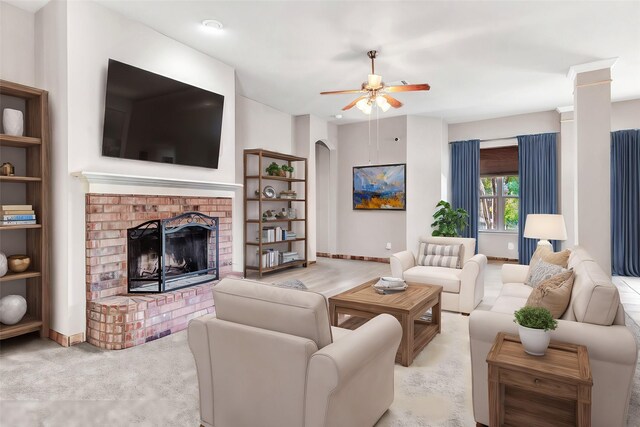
[(158, 119)]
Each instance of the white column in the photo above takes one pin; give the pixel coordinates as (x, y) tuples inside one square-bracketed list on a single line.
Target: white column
[(592, 124), (568, 175)]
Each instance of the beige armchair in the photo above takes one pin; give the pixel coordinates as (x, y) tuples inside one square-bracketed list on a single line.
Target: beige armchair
[(462, 288), (270, 358)]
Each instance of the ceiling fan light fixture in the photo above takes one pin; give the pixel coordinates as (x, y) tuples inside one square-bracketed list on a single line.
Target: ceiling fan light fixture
[(374, 81), (362, 104)]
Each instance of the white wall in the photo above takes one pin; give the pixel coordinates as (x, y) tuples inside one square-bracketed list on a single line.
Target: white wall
[(427, 154), (506, 127), (498, 245), (625, 115), (89, 35), (365, 233), (17, 46)]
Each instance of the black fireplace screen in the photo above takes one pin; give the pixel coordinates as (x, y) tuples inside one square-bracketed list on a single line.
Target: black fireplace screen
[(169, 254)]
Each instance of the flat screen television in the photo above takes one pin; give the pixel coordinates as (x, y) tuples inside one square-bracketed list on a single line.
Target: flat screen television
[(154, 118)]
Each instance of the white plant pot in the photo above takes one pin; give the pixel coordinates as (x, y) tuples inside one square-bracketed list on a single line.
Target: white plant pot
[(534, 341), (13, 122)]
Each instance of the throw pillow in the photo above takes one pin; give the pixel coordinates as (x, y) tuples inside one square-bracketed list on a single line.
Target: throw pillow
[(545, 253), (554, 294), (541, 271), (440, 255)]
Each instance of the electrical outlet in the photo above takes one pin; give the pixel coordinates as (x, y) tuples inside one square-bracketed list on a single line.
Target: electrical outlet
[(388, 246), (510, 246)]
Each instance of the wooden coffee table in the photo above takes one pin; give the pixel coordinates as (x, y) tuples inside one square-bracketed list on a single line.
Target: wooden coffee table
[(363, 303)]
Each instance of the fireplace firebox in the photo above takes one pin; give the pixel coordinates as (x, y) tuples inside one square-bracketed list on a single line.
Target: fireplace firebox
[(168, 254)]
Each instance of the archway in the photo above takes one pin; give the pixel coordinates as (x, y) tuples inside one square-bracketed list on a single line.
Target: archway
[(323, 203)]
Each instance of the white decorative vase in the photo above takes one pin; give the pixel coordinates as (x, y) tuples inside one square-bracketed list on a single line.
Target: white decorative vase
[(12, 309), (534, 341), (13, 122), (3, 264)]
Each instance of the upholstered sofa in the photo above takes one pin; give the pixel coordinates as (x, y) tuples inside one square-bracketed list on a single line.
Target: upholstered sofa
[(594, 318), (462, 288), (270, 358)]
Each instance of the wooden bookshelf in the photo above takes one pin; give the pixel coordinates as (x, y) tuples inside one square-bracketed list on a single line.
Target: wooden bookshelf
[(255, 162), (36, 188)]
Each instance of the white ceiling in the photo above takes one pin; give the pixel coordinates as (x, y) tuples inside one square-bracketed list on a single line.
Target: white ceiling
[(482, 59)]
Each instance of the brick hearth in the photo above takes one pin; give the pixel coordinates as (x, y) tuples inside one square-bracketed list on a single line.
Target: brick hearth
[(116, 320)]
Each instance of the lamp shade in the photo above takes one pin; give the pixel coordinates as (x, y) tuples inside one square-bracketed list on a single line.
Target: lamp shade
[(545, 226)]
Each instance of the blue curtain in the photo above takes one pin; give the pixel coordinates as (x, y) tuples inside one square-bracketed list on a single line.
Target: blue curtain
[(625, 202), (537, 171), (465, 182)]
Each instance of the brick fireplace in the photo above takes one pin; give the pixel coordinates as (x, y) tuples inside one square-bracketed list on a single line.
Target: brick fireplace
[(115, 319)]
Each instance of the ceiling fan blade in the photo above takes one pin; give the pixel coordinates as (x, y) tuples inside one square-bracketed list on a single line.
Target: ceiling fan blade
[(341, 91), (407, 88), (353, 103), (392, 101)]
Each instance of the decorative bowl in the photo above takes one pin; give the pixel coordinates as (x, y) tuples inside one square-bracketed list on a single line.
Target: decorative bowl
[(18, 263)]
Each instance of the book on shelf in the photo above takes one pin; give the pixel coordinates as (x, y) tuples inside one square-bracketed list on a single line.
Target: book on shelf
[(18, 217), (16, 207), (33, 221), (18, 212), (270, 258)]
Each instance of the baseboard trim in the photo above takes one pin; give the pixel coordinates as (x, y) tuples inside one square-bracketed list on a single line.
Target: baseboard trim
[(503, 259), (353, 257), (64, 340)]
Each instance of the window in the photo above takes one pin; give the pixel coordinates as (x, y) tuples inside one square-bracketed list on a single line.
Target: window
[(499, 203)]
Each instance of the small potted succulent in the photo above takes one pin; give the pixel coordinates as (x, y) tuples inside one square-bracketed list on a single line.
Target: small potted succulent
[(288, 169), (534, 326), (273, 169)]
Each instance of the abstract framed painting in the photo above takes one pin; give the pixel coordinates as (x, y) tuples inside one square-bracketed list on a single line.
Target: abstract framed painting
[(380, 187)]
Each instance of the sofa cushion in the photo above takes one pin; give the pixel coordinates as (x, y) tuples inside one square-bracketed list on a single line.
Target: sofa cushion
[(289, 311), (508, 304), (546, 254), (541, 271), (519, 290), (339, 333), (431, 254), (448, 278), (553, 294)]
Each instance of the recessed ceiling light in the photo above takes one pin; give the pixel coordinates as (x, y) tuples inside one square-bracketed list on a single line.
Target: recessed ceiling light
[(213, 24), (338, 116)]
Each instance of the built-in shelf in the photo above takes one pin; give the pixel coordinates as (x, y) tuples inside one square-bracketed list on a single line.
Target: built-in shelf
[(19, 141), (19, 226), (26, 325), (35, 191), (17, 276), (277, 267), (20, 178), (275, 199), (276, 178), (302, 239)]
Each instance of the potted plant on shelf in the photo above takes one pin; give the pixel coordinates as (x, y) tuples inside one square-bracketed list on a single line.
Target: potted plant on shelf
[(273, 169), (534, 326), (448, 221), (288, 169)]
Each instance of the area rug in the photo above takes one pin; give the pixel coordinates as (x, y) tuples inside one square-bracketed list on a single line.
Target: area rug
[(155, 384), (292, 284)]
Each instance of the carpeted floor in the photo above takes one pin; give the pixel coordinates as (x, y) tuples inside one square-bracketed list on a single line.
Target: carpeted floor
[(43, 384)]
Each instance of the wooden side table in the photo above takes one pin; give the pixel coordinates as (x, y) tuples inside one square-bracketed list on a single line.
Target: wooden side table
[(550, 390)]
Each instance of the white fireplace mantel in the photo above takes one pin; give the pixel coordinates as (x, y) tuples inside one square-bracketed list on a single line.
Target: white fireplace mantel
[(100, 181)]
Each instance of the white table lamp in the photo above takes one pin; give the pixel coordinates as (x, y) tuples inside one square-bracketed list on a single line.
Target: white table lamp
[(545, 227)]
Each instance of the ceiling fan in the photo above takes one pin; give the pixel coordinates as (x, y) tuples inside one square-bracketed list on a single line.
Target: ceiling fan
[(375, 92)]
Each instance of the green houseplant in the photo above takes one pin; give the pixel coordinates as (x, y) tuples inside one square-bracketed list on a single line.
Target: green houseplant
[(534, 326), (448, 221), (288, 168), (273, 169)]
